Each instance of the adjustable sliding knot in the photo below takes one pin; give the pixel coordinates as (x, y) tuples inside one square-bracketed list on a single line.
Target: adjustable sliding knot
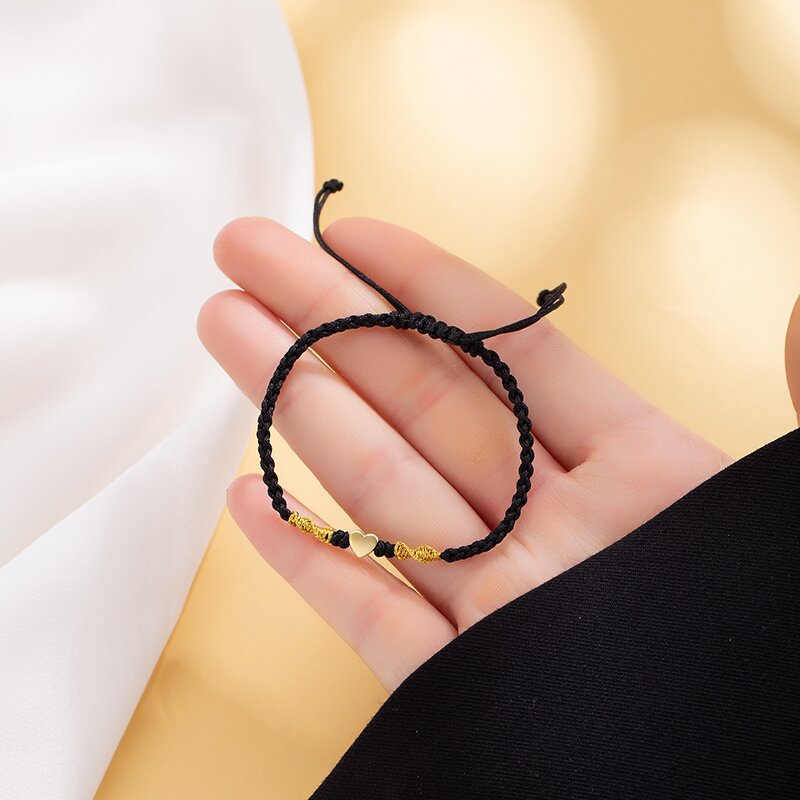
[(436, 329), (471, 343), (433, 327)]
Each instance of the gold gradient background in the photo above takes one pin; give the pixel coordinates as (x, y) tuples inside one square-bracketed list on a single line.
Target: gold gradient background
[(646, 153)]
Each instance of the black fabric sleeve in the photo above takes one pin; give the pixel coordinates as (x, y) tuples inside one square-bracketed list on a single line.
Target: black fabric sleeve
[(665, 666)]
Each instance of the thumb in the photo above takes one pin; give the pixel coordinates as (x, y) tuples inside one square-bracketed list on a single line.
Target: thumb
[(793, 357)]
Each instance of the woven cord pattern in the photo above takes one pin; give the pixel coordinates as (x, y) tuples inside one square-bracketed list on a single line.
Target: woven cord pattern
[(435, 329), (404, 319)]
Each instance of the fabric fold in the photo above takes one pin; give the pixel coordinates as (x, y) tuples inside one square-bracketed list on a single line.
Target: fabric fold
[(138, 131), (664, 666)]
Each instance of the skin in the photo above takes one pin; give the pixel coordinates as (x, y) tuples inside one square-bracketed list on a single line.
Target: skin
[(416, 442)]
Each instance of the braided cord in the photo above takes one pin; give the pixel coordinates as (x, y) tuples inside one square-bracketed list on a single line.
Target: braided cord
[(403, 319), (435, 329)]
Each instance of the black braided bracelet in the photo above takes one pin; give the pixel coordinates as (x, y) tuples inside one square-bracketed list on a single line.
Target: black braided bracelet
[(403, 319)]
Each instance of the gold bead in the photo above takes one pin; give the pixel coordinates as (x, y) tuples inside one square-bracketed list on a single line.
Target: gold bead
[(425, 554), (308, 525), (362, 544)]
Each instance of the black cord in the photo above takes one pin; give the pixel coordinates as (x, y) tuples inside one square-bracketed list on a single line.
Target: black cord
[(404, 319), (328, 188)]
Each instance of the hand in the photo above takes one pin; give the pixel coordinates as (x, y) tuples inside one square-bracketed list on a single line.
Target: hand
[(416, 441)]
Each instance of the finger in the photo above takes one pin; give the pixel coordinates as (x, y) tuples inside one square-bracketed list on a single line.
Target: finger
[(372, 472), (420, 387), (574, 401), (390, 626), (793, 357)]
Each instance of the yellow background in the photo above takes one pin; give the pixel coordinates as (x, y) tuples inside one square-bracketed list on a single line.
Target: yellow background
[(646, 153)]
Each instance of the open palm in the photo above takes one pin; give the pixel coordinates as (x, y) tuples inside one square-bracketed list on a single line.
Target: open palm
[(416, 441)]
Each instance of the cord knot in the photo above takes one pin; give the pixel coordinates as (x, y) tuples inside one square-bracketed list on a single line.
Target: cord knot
[(550, 295), (333, 185)]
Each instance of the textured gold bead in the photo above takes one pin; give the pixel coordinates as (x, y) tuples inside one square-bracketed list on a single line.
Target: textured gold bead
[(424, 553), (308, 525)]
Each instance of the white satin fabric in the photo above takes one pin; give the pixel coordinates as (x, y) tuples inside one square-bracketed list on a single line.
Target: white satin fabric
[(130, 134)]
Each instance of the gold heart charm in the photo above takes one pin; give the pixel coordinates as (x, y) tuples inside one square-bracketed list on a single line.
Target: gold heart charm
[(362, 544)]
